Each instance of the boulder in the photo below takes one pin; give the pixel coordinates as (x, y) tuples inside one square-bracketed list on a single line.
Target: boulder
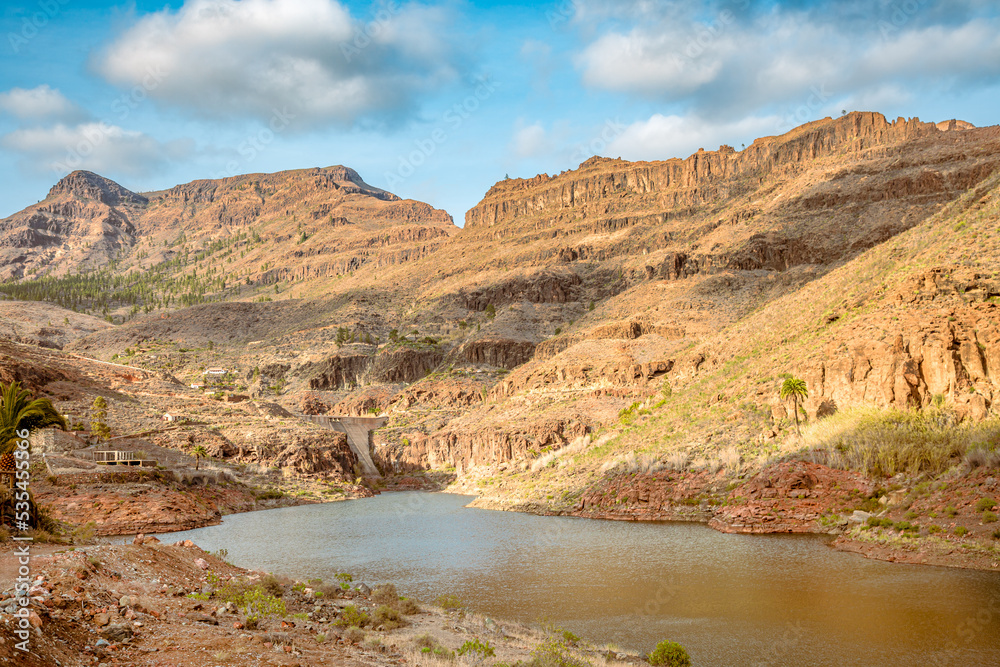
[(117, 632)]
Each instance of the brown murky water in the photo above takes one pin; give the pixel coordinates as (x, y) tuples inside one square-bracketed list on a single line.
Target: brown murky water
[(729, 599)]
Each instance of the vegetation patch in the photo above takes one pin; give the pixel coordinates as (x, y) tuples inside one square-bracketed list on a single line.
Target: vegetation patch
[(882, 443), (670, 654)]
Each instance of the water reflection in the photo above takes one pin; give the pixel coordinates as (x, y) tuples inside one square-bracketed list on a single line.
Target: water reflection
[(730, 599)]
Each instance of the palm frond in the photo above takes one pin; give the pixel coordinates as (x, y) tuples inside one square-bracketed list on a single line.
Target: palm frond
[(19, 413)]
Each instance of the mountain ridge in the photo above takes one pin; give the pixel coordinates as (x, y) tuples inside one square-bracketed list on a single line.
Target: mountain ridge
[(565, 300)]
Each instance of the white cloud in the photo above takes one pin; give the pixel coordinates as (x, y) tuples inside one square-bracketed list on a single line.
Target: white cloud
[(530, 141), (728, 62), (970, 51), (225, 58), (663, 137), (39, 103), (96, 146)]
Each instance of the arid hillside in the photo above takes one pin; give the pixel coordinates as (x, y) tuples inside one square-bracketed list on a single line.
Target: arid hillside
[(652, 307), (244, 237)]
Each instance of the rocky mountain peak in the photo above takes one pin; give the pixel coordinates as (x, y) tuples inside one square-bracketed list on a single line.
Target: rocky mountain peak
[(347, 177), (89, 185)]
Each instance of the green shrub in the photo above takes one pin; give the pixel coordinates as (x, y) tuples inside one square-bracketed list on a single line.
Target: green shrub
[(448, 602), (256, 604), (385, 594), (269, 494), (387, 617), (352, 616), (481, 649), (627, 415), (272, 586), (569, 636), (934, 528), (353, 635), (554, 653), (996, 534), (407, 606), (989, 517), (961, 531), (670, 654), (950, 510), (985, 504), (443, 653)]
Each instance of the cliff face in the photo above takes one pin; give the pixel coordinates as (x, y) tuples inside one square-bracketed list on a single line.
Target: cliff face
[(819, 194), (933, 344), (698, 180)]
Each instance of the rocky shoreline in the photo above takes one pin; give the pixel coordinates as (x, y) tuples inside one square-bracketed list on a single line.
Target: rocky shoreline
[(128, 503), (909, 521), (149, 603)]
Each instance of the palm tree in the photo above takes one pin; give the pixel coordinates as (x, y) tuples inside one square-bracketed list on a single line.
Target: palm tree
[(199, 451), (796, 388), (19, 413)]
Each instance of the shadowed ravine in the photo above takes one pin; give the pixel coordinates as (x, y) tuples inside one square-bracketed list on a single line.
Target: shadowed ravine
[(730, 599)]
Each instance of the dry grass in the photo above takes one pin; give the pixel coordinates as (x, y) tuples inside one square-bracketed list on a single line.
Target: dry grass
[(577, 446), (416, 656), (730, 459), (883, 442), (633, 463), (982, 457), (678, 460)]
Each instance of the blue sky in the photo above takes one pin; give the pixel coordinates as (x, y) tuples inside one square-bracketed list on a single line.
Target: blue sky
[(438, 100)]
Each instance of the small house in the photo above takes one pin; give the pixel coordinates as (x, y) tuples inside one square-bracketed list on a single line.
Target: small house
[(117, 457)]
